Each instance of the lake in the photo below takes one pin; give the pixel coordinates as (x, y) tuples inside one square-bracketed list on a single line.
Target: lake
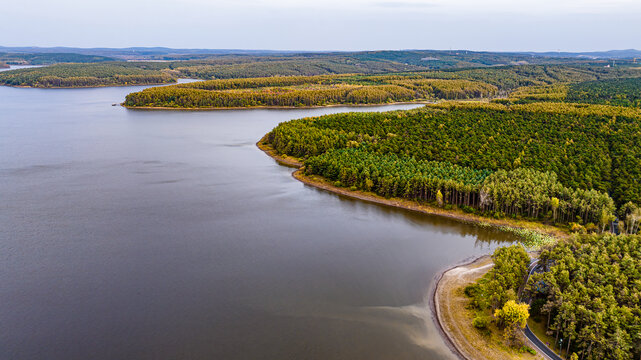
[(132, 234)]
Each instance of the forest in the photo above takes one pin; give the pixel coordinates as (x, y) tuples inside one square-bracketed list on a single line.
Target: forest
[(363, 89), (588, 295), (585, 146), (618, 92), (307, 91), (503, 70), (615, 92), (85, 75)]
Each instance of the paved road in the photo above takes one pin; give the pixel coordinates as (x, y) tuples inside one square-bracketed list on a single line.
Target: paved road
[(541, 348)]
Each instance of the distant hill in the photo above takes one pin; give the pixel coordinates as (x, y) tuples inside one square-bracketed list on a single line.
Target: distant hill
[(611, 54), (207, 64), (137, 52), (475, 57), (50, 58)]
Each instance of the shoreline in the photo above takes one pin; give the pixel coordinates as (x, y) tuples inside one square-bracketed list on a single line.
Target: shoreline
[(420, 102), (84, 87), (459, 215), (435, 308)]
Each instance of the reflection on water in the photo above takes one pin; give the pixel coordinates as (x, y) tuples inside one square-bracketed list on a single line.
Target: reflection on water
[(16, 67), (169, 235), (486, 238)]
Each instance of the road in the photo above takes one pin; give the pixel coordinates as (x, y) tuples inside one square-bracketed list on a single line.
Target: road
[(540, 347)]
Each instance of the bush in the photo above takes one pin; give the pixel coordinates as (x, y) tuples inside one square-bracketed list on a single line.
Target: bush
[(472, 290), (480, 322), (577, 228), (591, 228), (528, 349), (469, 209)]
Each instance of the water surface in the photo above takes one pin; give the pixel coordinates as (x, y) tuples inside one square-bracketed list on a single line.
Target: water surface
[(130, 234)]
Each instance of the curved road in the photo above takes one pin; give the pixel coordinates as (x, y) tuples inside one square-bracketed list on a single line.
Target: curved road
[(541, 348)]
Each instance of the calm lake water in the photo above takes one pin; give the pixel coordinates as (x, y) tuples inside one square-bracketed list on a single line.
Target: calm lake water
[(168, 235)]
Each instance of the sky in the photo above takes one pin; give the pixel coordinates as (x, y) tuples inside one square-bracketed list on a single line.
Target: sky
[(493, 25)]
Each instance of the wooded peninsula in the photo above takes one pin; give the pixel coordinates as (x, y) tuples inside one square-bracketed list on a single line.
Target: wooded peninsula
[(365, 89)]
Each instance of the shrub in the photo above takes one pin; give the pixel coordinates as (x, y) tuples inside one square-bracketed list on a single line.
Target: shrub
[(480, 322), (528, 349), (577, 228), (591, 228), (472, 290)]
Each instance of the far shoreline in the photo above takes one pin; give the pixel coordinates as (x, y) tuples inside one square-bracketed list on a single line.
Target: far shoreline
[(418, 102), (85, 87)]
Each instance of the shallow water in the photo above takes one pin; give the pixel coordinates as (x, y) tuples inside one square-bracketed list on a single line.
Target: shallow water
[(131, 234)]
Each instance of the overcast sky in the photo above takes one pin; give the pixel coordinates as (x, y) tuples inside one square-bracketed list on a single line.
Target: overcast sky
[(539, 25)]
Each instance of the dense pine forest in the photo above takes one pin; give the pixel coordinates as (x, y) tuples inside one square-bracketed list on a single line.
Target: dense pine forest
[(307, 91), (615, 92), (619, 92), (364, 89), (85, 75), (556, 162), (589, 296)]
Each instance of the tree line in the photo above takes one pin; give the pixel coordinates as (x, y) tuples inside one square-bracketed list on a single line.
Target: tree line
[(586, 147), (85, 75), (521, 192)]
